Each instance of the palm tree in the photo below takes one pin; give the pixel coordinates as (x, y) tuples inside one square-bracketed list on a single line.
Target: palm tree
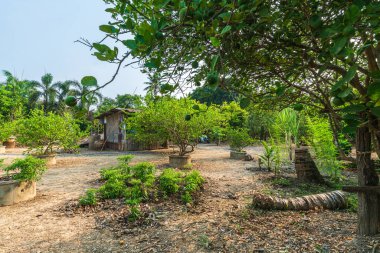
[(15, 94), (153, 84), (64, 89), (88, 95), (47, 90)]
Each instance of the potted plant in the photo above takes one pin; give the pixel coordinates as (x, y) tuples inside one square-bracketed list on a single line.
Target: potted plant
[(44, 134), (19, 181), (182, 121), (238, 140), (6, 130)]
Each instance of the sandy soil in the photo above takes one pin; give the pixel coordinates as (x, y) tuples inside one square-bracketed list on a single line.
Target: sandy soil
[(220, 222)]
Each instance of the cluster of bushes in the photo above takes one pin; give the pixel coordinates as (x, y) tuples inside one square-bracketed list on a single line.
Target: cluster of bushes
[(137, 184)]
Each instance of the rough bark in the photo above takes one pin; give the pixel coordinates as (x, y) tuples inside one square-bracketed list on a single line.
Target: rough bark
[(369, 212), (306, 168), (330, 200)]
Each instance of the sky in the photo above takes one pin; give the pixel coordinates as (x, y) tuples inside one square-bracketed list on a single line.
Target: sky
[(37, 37)]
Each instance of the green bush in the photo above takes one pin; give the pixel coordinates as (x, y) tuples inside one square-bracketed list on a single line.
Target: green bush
[(44, 134), (89, 199), (193, 181), (27, 169), (169, 181), (239, 139), (281, 181), (138, 183), (321, 139)]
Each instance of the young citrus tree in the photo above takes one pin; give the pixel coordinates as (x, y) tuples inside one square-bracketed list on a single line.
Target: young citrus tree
[(44, 134), (181, 121)]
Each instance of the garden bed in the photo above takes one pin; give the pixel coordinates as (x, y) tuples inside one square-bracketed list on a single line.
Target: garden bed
[(218, 222)]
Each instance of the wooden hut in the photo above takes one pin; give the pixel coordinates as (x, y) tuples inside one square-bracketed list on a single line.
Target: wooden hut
[(115, 132)]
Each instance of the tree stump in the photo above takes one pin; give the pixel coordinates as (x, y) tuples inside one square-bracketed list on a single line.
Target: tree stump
[(306, 169)]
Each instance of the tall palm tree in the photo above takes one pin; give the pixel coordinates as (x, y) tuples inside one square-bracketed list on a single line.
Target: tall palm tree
[(153, 84), (15, 94), (88, 95), (47, 90), (64, 89)]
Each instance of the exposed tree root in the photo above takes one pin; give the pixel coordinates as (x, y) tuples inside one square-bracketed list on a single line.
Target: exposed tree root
[(329, 200)]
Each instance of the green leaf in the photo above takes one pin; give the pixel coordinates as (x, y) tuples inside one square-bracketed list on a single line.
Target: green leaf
[(89, 81), (108, 29), (215, 41), (188, 117), (131, 44), (226, 29), (344, 93), (182, 13), (352, 13), (298, 107), (196, 107), (280, 90), (214, 60), (354, 108), (315, 21), (350, 73), (374, 91), (338, 45), (244, 103), (376, 111)]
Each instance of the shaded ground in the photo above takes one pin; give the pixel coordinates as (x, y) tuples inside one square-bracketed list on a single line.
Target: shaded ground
[(220, 222)]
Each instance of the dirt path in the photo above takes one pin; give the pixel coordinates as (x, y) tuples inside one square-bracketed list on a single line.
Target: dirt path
[(219, 223)]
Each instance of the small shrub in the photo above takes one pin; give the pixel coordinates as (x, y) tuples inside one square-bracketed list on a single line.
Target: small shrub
[(281, 182), (204, 241), (193, 181), (135, 213), (169, 181), (28, 169), (186, 197), (145, 172), (188, 166), (89, 199), (239, 139), (268, 156), (113, 188), (352, 203), (125, 159)]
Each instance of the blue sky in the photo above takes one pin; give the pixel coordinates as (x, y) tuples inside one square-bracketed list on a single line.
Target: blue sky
[(37, 37)]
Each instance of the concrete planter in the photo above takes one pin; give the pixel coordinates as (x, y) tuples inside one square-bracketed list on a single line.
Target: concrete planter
[(238, 155), (177, 161), (10, 143), (12, 192), (2, 149), (50, 159)]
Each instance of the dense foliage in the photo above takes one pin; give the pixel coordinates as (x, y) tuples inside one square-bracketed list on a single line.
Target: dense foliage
[(181, 121), (27, 169), (44, 134)]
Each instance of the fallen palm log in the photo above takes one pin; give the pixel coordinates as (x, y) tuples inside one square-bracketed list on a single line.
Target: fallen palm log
[(329, 200)]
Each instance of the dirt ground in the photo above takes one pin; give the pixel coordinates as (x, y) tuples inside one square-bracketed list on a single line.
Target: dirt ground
[(220, 222)]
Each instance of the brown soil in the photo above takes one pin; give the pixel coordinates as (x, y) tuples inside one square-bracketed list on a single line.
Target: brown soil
[(220, 222)]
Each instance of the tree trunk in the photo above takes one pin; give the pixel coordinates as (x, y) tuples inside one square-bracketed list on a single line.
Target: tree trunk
[(369, 212), (306, 168), (330, 200)]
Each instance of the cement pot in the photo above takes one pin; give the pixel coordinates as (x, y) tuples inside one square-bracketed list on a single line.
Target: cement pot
[(50, 159), (12, 191), (180, 162), (237, 155), (10, 143)]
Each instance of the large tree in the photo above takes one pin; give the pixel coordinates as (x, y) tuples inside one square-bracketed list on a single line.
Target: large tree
[(322, 53)]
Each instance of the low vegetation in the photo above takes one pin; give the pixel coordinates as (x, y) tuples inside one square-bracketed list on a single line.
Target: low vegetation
[(27, 169), (140, 183)]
